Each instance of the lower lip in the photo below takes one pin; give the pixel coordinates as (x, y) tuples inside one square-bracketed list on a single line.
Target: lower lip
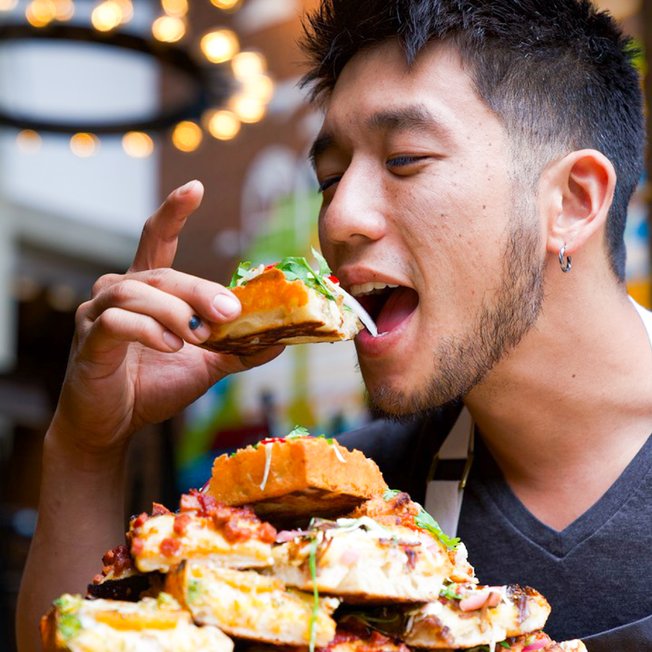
[(371, 346)]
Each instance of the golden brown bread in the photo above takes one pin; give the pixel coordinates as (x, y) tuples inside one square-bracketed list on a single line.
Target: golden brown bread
[(278, 311), (292, 479)]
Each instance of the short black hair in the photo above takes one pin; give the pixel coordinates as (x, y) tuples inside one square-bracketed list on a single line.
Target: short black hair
[(559, 74)]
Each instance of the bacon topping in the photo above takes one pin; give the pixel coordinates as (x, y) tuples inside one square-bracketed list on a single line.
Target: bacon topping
[(181, 522), (137, 546), (158, 509), (169, 547), (236, 523), (397, 510), (140, 520)]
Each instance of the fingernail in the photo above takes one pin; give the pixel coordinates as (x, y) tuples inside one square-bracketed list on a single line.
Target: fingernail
[(194, 323), (188, 187), (226, 305)]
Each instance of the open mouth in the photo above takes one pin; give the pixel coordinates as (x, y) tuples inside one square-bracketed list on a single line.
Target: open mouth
[(388, 305)]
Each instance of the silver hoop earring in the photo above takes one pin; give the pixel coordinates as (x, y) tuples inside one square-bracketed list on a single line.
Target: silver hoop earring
[(565, 261)]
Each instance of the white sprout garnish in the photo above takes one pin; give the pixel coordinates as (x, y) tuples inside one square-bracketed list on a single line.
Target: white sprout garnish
[(352, 303)]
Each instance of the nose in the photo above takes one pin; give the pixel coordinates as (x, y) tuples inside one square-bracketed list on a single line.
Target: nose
[(354, 213)]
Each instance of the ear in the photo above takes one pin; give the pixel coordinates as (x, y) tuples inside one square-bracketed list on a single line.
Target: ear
[(578, 190)]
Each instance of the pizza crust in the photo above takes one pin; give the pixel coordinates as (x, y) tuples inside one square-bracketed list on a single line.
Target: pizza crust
[(294, 479)]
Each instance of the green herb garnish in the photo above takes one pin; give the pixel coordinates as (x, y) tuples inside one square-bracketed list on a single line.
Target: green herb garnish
[(389, 494), (427, 522), (194, 590), (240, 273), (312, 563), (324, 269), (298, 268), (298, 431), (294, 268), (69, 626), (449, 593)]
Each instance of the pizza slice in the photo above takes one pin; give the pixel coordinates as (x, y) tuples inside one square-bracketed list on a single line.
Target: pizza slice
[(535, 642), (249, 605), (288, 303), (156, 625), (201, 529), (290, 479), (121, 580), (360, 560), (469, 615)]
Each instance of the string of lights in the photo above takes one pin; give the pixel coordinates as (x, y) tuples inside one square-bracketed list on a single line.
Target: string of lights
[(227, 86)]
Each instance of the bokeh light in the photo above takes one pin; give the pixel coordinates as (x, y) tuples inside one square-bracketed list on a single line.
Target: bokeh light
[(137, 144), (84, 145), (220, 45), (223, 124), (187, 136), (40, 13), (168, 29), (28, 141), (248, 64), (175, 7), (107, 16), (226, 4)]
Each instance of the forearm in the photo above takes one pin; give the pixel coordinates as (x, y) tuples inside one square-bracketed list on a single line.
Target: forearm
[(80, 516)]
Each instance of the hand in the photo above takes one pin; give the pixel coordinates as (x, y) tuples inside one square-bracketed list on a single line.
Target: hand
[(130, 364)]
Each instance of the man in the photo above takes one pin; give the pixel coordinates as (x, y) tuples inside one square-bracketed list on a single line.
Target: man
[(476, 161)]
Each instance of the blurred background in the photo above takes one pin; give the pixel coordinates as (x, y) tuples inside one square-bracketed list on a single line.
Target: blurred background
[(105, 107)]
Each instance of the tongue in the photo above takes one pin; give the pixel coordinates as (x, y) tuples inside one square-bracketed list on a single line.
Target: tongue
[(401, 304)]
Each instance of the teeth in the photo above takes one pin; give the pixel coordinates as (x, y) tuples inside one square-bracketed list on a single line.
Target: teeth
[(368, 288)]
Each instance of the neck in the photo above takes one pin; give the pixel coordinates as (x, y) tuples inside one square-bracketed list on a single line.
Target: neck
[(571, 406)]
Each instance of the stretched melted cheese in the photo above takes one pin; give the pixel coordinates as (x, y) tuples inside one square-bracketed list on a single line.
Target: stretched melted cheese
[(249, 605)]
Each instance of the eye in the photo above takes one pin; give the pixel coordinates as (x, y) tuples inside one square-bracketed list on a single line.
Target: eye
[(327, 183), (404, 161)]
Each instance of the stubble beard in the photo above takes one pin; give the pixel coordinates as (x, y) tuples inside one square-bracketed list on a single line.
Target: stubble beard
[(461, 362)]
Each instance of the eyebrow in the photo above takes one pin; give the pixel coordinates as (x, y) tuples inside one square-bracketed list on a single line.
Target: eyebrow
[(409, 118), (413, 118)]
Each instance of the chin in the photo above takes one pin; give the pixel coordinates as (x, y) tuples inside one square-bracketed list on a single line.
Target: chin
[(386, 401)]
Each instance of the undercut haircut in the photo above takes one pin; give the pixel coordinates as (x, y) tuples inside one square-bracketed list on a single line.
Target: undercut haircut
[(558, 74)]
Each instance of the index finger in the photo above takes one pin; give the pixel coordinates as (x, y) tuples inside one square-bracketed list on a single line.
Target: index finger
[(158, 241)]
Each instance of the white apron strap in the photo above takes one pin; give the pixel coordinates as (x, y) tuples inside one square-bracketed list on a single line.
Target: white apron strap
[(646, 317), (448, 474)]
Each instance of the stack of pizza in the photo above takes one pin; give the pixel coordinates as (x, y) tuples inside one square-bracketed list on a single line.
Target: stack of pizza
[(295, 543)]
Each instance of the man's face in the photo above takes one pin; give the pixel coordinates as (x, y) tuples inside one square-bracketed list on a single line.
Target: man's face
[(422, 222)]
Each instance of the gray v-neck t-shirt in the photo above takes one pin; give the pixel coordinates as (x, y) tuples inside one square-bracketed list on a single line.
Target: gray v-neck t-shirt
[(596, 573)]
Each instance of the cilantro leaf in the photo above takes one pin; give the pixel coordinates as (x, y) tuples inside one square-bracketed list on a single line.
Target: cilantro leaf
[(428, 523), (449, 592), (390, 493), (194, 590), (69, 626), (298, 431), (324, 269), (240, 273)]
